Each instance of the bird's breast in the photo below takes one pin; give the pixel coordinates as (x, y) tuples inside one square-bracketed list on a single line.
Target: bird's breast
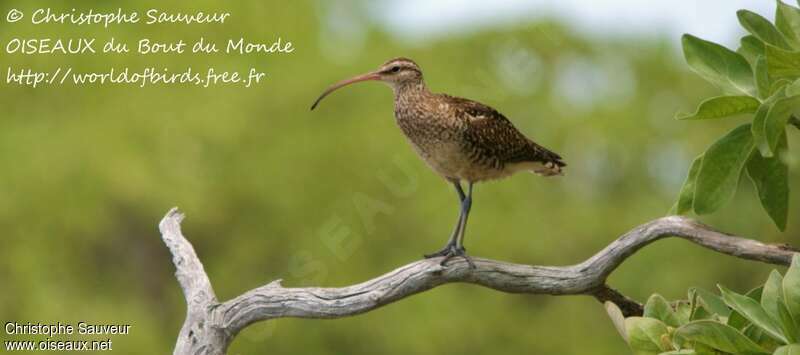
[(439, 142)]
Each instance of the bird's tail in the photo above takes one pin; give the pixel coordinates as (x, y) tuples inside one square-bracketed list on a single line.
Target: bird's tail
[(549, 163)]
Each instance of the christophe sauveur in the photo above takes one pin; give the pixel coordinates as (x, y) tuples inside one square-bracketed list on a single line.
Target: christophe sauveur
[(58, 328), (120, 16)]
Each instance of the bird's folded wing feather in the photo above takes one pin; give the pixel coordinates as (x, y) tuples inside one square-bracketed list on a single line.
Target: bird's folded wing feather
[(490, 133)]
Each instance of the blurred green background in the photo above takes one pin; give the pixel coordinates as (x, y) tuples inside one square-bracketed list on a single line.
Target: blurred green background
[(268, 187)]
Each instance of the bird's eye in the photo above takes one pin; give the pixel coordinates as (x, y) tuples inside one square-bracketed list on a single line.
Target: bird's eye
[(395, 69)]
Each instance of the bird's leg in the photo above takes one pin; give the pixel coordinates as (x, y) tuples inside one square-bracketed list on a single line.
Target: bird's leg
[(458, 249), (451, 243)]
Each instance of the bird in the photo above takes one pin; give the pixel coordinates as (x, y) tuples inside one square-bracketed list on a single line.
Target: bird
[(463, 141)]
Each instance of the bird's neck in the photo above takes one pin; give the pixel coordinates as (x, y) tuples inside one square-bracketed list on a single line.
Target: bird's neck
[(410, 91)]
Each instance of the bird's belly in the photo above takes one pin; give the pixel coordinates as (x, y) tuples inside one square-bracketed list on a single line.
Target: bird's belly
[(446, 158), (441, 147), (449, 159)]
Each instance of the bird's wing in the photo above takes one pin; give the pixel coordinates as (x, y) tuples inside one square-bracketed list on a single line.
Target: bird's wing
[(490, 134)]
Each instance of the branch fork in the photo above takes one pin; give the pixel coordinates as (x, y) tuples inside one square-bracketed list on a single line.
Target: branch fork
[(210, 325)]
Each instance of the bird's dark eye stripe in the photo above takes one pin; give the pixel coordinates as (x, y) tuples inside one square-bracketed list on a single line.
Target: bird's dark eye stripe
[(395, 69)]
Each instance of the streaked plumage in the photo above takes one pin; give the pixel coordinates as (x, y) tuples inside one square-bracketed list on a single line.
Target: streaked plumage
[(460, 139), (465, 140)]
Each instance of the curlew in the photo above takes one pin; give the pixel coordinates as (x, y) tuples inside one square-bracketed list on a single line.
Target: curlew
[(460, 139)]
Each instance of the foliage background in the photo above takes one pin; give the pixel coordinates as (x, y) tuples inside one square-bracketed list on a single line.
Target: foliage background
[(88, 172)]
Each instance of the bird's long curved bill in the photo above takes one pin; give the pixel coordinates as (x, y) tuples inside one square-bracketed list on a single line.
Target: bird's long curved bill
[(332, 88)]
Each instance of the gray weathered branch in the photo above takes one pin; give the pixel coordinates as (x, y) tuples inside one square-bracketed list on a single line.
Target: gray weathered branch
[(210, 326)]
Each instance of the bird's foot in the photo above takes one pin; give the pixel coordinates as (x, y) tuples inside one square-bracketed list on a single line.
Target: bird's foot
[(450, 251), (442, 252)]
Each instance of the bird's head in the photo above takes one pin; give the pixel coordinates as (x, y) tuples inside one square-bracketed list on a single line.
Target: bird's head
[(396, 72)]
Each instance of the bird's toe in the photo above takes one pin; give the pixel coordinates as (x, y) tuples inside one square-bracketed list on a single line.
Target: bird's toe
[(454, 251)]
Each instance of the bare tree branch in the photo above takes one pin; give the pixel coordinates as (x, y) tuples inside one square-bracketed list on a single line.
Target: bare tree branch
[(210, 326), (197, 335)]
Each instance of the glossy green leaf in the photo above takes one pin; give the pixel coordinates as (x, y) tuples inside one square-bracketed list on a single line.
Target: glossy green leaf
[(686, 196), (791, 349), (770, 176), (760, 27), (719, 336), (657, 307), (722, 106), (782, 64), (617, 318), (787, 20), (791, 287), (721, 168), (751, 48), (722, 67), (644, 335), (752, 310)]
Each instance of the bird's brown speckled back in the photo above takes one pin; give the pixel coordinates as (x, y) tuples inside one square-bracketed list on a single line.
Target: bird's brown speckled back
[(466, 140)]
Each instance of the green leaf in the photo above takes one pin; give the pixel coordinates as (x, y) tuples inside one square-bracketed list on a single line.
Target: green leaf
[(759, 126), (787, 20), (712, 302), (737, 321), (772, 293), (721, 168), (790, 326), (702, 349), (719, 336), (791, 287), (782, 64), (793, 88), (755, 293), (752, 310), (751, 48), (683, 311), (644, 335), (722, 106), (701, 313), (775, 123), (777, 85), (686, 196), (762, 77), (791, 349), (657, 307), (722, 67), (760, 27), (770, 176), (617, 318), (760, 337)]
